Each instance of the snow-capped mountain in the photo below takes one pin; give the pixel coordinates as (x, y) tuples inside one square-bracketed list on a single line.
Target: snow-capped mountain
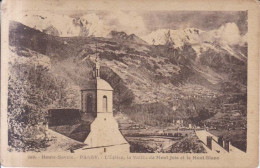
[(64, 25), (227, 34), (144, 77), (178, 37), (221, 39)]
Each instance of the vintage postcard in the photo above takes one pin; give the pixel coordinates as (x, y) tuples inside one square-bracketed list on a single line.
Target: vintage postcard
[(130, 83)]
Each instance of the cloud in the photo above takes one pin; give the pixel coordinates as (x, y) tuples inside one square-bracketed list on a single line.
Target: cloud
[(227, 34), (90, 24), (64, 24), (41, 20), (204, 20), (101, 23), (129, 22), (230, 34)]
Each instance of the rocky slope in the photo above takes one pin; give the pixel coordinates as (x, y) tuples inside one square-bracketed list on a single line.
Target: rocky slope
[(181, 80), (122, 36)]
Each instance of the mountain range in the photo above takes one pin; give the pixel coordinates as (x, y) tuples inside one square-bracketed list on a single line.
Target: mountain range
[(165, 75)]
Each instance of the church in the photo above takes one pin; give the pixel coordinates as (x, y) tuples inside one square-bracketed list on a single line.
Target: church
[(97, 105), (99, 129)]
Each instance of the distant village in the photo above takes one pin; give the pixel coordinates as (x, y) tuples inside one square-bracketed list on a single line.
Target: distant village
[(228, 118)]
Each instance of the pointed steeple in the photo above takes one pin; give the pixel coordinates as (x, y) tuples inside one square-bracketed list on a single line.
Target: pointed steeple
[(97, 67)]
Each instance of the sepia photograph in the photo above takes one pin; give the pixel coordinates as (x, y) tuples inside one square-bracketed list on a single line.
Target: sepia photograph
[(126, 81), (168, 83)]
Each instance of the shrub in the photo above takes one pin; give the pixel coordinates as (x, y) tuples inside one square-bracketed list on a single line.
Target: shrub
[(31, 89)]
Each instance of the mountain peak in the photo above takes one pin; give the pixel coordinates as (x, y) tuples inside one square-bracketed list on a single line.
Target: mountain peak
[(122, 36), (51, 30), (179, 37)]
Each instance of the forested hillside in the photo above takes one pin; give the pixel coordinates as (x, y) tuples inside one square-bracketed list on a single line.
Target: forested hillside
[(153, 84)]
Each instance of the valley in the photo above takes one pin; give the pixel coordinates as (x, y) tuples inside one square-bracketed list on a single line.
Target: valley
[(202, 84)]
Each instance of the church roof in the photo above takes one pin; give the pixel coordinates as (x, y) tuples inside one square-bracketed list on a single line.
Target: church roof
[(96, 84), (91, 84), (103, 85)]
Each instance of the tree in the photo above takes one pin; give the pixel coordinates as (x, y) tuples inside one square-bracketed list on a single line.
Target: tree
[(31, 89)]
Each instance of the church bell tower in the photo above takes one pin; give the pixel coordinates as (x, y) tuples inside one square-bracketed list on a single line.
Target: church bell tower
[(97, 103)]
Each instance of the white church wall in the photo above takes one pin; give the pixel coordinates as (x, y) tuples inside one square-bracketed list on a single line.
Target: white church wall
[(107, 129)]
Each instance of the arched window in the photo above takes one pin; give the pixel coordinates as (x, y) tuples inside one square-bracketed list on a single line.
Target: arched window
[(97, 73), (89, 103), (105, 103)]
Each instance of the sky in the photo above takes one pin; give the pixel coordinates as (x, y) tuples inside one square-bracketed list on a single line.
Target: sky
[(101, 22), (144, 22), (201, 20)]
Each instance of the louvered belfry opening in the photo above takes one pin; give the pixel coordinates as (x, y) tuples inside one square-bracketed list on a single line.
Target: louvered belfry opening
[(104, 103)]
